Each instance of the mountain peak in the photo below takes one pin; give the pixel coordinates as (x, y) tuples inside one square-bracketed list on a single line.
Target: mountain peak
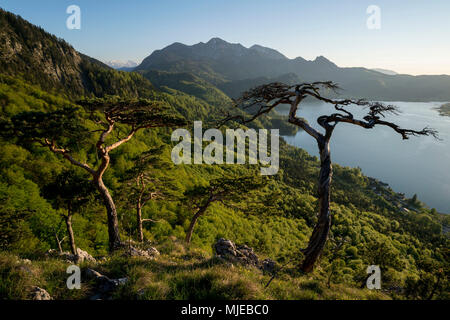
[(323, 60), (216, 41), (268, 52)]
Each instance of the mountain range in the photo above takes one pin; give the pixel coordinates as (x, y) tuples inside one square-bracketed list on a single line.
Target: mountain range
[(232, 68), (216, 66), (122, 65)]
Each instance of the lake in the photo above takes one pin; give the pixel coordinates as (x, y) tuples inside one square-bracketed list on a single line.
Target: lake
[(419, 165)]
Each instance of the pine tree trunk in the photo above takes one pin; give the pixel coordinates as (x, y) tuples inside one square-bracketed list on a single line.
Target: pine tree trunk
[(68, 219), (322, 227), (139, 221), (113, 223), (193, 222)]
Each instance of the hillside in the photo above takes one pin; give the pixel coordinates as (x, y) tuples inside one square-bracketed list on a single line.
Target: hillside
[(41, 58), (190, 84), (372, 224), (193, 85), (223, 64)]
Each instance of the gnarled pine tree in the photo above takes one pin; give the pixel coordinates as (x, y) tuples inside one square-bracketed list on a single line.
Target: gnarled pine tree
[(263, 99), (63, 131), (228, 191), (147, 180), (71, 192)]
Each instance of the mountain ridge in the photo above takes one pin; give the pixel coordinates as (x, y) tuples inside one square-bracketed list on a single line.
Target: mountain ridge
[(220, 62)]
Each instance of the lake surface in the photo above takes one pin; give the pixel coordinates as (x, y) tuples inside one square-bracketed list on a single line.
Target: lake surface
[(419, 165)]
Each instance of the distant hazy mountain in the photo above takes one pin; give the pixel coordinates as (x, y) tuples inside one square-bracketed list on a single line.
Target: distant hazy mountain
[(117, 64), (233, 67), (385, 71)]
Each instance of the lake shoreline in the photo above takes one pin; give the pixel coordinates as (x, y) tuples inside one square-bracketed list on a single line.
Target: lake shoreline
[(413, 166)]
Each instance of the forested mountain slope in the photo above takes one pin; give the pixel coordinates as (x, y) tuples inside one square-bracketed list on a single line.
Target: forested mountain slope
[(43, 59)]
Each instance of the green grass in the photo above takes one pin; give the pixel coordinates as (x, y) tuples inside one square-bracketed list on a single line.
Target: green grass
[(183, 273)]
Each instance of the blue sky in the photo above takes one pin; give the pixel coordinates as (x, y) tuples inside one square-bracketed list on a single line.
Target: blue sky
[(414, 34)]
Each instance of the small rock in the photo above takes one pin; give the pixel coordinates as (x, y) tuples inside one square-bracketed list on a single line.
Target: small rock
[(40, 294), (248, 254), (104, 284), (153, 251), (84, 256), (69, 257), (268, 265), (242, 254), (120, 281), (135, 252), (231, 253), (225, 247)]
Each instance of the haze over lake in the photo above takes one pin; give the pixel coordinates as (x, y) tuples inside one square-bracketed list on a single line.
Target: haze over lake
[(418, 165)]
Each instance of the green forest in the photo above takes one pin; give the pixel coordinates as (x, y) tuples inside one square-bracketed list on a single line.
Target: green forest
[(54, 104)]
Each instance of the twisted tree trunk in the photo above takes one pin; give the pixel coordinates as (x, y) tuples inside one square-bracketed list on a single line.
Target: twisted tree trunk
[(320, 233), (197, 215), (111, 212), (268, 96)]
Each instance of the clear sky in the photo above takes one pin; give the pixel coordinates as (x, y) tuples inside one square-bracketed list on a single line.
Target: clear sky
[(414, 34)]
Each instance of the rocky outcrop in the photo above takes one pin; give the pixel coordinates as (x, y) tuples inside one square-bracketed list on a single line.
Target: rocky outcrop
[(149, 253), (243, 254), (82, 256), (40, 294), (229, 251), (104, 285)]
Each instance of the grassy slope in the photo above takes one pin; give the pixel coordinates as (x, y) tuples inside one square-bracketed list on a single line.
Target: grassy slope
[(177, 274)]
